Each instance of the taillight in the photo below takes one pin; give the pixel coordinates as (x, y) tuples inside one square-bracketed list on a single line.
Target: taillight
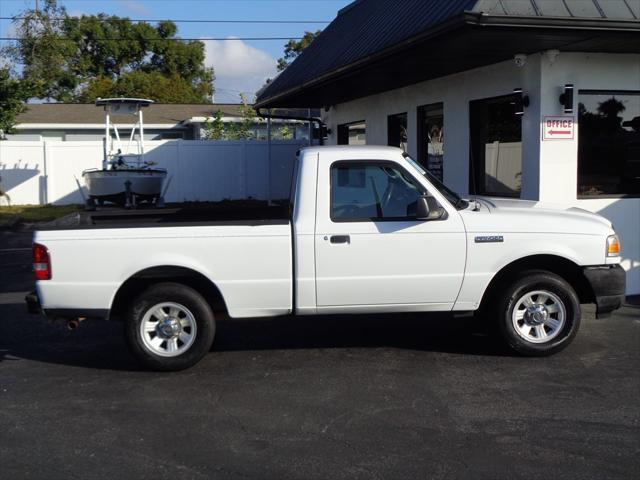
[(41, 262)]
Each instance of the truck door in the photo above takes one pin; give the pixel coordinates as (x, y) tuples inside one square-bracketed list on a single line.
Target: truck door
[(372, 252)]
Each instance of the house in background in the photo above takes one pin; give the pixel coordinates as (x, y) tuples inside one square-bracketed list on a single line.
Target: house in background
[(530, 99), (85, 122)]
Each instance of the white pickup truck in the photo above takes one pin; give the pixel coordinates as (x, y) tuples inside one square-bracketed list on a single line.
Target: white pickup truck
[(368, 230)]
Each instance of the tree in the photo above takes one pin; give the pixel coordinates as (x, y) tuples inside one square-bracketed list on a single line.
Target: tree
[(13, 95), (217, 129), (43, 51), (214, 129), (248, 117), (83, 58), (293, 48), (609, 110), (284, 133), (152, 85)]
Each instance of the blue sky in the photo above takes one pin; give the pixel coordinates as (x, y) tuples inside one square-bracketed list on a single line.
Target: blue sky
[(240, 66)]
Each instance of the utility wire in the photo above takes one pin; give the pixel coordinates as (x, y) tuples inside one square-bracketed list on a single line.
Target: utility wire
[(186, 20), (202, 39)]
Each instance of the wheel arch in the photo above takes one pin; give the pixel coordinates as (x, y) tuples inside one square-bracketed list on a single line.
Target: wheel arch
[(561, 266), (143, 279)]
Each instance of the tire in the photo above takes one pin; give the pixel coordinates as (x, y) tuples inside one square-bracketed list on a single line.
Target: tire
[(538, 313), (170, 327)]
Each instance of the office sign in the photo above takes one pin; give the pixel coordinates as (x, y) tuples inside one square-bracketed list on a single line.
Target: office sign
[(559, 128)]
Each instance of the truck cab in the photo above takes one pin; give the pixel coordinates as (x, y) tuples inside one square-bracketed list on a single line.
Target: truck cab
[(374, 249)]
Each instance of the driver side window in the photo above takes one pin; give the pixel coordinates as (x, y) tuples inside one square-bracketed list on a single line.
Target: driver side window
[(376, 191)]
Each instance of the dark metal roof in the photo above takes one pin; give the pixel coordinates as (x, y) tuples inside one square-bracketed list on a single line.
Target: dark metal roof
[(607, 9), (360, 29), (370, 37)]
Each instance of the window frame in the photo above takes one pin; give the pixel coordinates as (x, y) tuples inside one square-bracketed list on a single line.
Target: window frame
[(422, 112), (389, 120), (418, 185), (476, 175), (346, 126), (592, 91)]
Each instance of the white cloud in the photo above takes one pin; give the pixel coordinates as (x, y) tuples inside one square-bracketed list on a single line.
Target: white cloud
[(136, 7), (77, 13), (239, 67)]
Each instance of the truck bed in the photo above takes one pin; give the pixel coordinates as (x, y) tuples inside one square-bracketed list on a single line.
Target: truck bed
[(245, 246), (236, 212)]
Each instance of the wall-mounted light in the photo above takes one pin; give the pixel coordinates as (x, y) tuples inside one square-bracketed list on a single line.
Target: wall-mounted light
[(322, 132), (521, 101), (566, 98)]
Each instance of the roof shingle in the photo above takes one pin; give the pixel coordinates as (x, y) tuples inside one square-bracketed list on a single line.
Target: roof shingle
[(158, 113)]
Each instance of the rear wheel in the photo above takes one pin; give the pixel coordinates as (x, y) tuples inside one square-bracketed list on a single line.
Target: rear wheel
[(170, 327), (538, 314)]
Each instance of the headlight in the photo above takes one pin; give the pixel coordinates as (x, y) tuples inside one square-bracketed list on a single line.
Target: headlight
[(613, 246)]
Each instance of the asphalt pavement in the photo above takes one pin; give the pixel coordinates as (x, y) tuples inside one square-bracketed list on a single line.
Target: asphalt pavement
[(371, 397)]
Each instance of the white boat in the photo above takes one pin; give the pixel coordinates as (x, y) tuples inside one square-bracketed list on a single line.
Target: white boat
[(125, 178), (109, 183)]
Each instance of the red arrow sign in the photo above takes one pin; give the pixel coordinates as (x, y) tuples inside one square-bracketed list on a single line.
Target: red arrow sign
[(558, 128)]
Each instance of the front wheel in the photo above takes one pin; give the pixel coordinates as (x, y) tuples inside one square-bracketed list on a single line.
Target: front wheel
[(170, 327), (538, 314)]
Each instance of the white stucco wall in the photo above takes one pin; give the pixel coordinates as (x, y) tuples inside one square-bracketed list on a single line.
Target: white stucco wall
[(558, 165), (549, 168)]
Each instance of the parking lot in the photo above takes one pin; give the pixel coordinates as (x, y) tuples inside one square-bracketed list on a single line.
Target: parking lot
[(331, 397)]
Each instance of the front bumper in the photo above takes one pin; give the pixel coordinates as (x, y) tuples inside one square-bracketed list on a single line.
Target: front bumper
[(608, 283)]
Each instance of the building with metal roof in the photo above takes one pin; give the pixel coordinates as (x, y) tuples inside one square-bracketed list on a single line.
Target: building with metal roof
[(369, 38)]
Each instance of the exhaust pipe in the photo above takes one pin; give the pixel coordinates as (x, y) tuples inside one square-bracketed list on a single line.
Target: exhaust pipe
[(74, 323)]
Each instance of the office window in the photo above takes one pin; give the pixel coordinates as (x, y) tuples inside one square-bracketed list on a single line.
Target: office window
[(371, 191), (431, 138), (397, 131), (352, 133), (608, 143), (496, 147)]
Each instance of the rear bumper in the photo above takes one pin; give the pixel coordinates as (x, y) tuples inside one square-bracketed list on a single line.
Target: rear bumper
[(608, 283), (33, 303), (34, 307)]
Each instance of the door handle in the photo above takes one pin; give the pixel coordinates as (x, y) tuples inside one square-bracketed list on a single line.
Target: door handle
[(340, 239)]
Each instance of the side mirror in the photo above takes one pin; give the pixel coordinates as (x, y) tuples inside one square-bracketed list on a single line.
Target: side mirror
[(427, 208)]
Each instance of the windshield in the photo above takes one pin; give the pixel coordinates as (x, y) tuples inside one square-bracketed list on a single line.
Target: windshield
[(449, 194)]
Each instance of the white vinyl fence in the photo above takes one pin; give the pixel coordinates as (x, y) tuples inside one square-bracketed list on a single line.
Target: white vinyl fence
[(503, 167), (34, 173)]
